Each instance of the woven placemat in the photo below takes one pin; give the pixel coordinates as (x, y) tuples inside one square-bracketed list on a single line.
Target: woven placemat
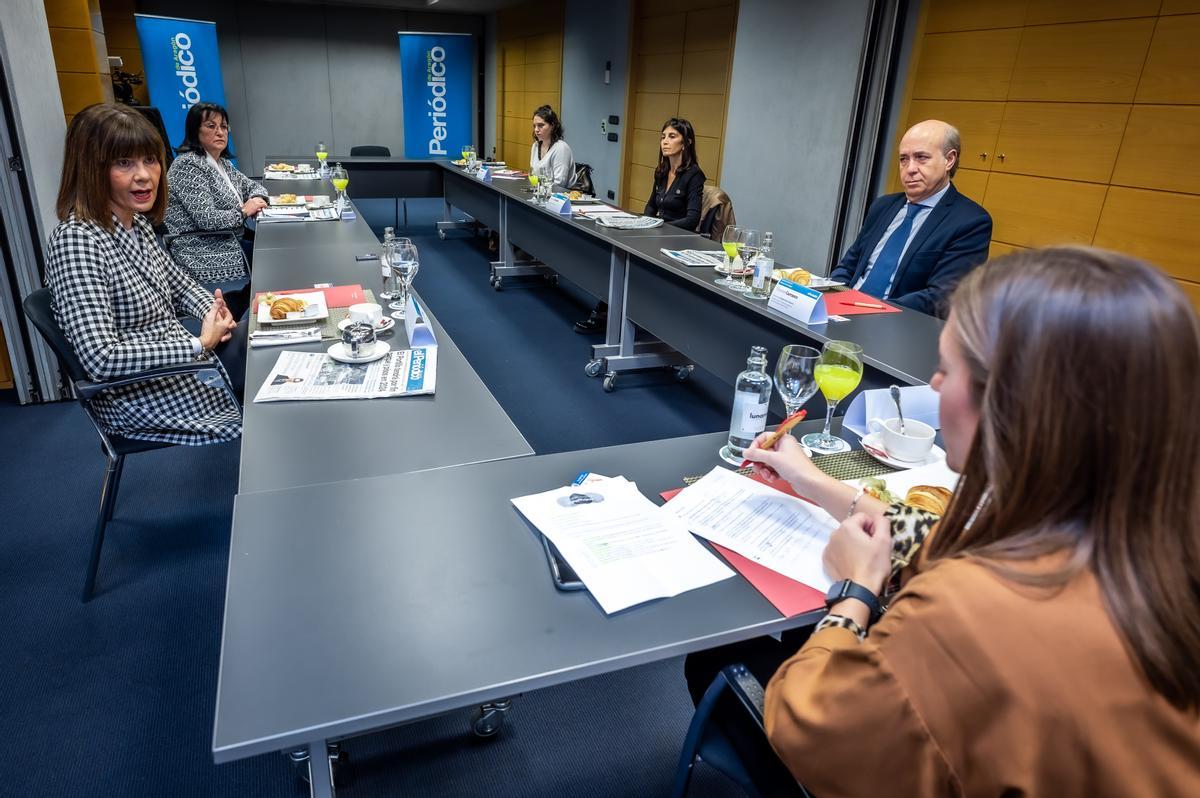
[(329, 326), (844, 465)]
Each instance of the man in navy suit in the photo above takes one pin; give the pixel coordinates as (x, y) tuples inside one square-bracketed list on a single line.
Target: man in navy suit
[(914, 247)]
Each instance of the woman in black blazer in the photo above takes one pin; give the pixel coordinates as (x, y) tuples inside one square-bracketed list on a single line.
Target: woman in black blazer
[(678, 180), (676, 197)]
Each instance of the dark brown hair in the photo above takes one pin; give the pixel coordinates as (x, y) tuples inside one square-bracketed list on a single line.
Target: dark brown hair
[(550, 118), (197, 115), (687, 158), (98, 137), (1085, 366)]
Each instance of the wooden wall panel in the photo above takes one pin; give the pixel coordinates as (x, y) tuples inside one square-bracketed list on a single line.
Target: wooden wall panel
[(529, 42), (978, 123), (1160, 149), (1043, 13), (1088, 62), (975, 65), (972, 182), (1180, 7), (682, 52), (1156, 225), (1098, 118), (1172, 73), (955, 15), (1073, 141), (1040, 212), (999, 249)]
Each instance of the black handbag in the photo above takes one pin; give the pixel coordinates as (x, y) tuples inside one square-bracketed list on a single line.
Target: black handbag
[(583, 180)]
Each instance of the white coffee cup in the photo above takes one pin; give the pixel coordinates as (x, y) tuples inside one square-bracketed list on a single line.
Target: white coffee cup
[(366, 312), (913, 445)]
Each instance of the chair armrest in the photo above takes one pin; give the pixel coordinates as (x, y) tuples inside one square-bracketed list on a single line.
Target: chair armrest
[(746, 689), (88, 390)]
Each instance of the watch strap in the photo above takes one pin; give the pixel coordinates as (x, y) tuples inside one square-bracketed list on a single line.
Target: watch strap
[(847, 589)]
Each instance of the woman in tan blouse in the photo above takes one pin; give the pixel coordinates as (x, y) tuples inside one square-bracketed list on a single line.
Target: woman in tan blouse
[(1046, 641)]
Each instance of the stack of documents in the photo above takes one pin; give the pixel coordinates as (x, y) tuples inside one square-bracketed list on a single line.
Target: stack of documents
[(695, 257), (781, 532), (624, 548)]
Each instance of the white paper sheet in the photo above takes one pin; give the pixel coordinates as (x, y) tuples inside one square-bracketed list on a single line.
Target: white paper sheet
[(623, 549), (771, 528)]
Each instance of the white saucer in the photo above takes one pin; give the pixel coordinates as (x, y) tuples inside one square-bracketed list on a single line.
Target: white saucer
[(873, 446), (338, 352), (384, 325)]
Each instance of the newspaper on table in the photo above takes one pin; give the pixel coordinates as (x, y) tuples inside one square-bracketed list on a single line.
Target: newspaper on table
[(306, 376), (628, 221), (695, 257)]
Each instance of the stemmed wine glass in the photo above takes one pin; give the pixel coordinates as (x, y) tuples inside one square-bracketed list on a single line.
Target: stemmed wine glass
[(404, 265), (838, 372), (795, 375), (729, 241), (340, 179), (322, 154), (749, 244)]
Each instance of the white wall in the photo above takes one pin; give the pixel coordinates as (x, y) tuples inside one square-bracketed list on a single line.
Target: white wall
[(593, 34), (297, 73), (795, 70)]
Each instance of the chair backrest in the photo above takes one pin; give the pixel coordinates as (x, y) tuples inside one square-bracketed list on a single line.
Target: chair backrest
[(716, 213), (582, 180), (37, 308), (371, 149)]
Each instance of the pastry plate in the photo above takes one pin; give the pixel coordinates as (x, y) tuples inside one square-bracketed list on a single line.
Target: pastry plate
[(385, 324), (316, 309), (341, 354), (873, 445)]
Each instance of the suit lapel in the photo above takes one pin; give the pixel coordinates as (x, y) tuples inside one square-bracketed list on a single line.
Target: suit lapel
[(940, 211)]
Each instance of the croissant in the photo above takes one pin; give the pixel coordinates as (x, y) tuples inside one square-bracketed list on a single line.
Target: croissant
[(285, 305), (800, 276), (930, 498)]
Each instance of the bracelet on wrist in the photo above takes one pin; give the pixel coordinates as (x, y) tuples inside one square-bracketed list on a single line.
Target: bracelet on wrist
[(854, 502), (832, 621)]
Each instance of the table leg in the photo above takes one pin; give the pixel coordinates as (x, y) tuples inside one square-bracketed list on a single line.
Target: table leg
[(508, 265), (620, 351), (320, 770)]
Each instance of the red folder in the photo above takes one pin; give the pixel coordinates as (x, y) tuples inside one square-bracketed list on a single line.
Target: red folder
[(785, 594), (339, 296), (841, 303)]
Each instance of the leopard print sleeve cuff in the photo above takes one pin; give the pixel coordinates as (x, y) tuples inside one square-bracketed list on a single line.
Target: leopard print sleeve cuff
[(832, 621), (910, 528)]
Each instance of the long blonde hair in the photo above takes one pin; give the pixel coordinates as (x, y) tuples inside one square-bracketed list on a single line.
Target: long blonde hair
[(1086, 368)]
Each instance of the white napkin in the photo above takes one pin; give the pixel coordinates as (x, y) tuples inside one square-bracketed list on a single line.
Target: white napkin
[(920, 403), (303, 335)]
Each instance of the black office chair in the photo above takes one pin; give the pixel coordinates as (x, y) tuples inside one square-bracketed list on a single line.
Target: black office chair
[(737, 697), (380, 151), (115, 447)]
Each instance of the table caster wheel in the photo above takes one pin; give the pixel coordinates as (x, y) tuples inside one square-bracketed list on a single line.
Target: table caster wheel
[(610, 382), (593, 368), (442, 234), (496, 284), (683, 372), (339, 762), (488, 720), (491, 279)]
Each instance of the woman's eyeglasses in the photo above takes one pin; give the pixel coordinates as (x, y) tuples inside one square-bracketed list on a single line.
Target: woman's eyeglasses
[(213, 126)]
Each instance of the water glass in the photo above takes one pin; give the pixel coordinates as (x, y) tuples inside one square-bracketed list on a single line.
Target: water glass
[(796, 376), (405, 267)]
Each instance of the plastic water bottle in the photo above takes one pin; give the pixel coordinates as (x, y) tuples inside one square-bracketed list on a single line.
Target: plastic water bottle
[(751, 399), (764, 264), (387, 254)]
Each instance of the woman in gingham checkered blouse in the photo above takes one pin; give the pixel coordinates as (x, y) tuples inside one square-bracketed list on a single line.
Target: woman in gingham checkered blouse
[(206, 192), (116, 293)]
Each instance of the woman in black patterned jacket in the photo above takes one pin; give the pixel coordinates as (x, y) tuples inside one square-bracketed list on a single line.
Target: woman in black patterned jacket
[(207, 192), (117, 295)]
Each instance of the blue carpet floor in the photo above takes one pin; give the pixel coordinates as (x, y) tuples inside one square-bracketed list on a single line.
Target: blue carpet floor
[(116, 697)]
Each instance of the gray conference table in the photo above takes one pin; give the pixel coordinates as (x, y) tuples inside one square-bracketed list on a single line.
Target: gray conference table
[(359, 614), (680, 305), (287, 444)]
